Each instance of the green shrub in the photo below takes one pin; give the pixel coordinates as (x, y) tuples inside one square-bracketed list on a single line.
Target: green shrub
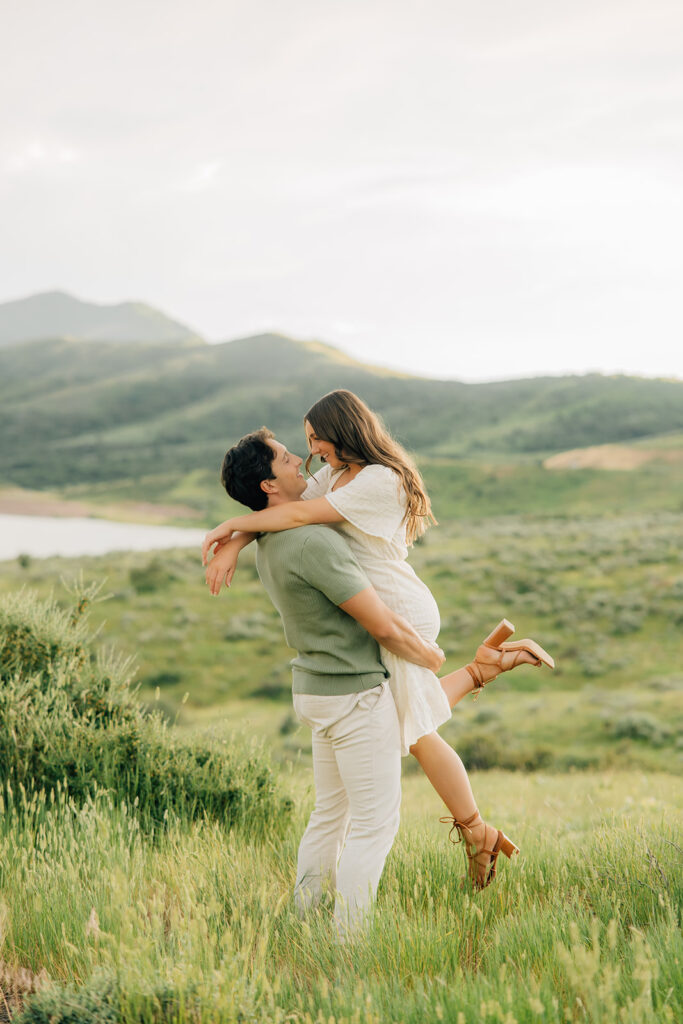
[(577, 760), (591, 664), (102, 1000), (96, 1003), (252, 626), (70, 717), (484, 749), (639, 726), (105, 998), (40, 637), (150, 577)]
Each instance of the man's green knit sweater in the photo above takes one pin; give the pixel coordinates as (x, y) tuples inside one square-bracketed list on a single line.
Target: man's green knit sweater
[(308, 572)]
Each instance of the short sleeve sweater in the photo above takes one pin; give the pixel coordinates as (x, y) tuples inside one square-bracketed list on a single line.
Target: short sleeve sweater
[(308, 572)]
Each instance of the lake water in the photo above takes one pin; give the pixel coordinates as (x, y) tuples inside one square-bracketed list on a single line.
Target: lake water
[(44, 536)]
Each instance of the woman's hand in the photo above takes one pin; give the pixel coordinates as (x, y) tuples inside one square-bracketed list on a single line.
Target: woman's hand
[(221, 568), (216, 538)]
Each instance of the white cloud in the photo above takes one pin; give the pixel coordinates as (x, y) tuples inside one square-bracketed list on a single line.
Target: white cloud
[(203, 176), (41, 155)]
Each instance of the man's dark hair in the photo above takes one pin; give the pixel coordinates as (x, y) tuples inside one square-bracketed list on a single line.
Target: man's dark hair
[(245, 466)]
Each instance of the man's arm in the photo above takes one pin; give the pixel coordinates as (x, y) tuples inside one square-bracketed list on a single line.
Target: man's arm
[(391, 630)]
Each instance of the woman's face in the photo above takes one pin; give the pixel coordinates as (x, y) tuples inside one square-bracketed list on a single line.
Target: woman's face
[(323, 449)]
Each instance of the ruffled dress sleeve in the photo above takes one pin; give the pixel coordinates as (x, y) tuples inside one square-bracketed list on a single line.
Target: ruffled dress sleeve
[(317, 485), (374, 502)]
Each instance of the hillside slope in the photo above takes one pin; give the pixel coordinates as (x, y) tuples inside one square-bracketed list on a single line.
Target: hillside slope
[(73, 411)]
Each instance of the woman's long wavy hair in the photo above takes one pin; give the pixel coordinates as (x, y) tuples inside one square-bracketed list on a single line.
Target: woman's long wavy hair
[(359, 437)]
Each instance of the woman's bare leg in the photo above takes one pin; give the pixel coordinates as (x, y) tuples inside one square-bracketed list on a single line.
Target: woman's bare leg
[(456, 685), (446, 772), (448, 776)]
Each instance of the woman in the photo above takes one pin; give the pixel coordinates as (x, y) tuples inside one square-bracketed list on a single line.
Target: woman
[(371, 491)]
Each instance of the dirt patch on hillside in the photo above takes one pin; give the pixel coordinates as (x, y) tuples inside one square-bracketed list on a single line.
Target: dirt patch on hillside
[(611, 456), (17, 502), (33, 503)]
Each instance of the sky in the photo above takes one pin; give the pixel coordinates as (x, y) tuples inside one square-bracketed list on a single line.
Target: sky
[(464, 190)]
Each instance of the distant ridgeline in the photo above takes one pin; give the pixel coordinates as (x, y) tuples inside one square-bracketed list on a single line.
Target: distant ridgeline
[(100, 393)]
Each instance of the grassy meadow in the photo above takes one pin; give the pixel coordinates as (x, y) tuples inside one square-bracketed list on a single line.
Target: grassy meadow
[(115, 908), (604, 595), (197, 925)]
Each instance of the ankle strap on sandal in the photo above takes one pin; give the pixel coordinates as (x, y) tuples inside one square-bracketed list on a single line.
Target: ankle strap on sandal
[(460, 825), (476, 676)]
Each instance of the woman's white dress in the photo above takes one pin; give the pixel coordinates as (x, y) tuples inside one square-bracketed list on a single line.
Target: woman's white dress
[(373, 505)]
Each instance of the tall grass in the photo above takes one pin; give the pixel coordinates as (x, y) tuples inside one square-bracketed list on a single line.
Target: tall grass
[(199, 926), (134, 874)]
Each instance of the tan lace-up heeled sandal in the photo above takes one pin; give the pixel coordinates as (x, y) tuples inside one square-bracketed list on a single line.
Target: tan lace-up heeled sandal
[(481, 861), (496, 654)]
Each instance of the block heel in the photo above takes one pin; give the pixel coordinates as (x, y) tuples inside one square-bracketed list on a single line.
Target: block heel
[(506, 846), (499, 634)]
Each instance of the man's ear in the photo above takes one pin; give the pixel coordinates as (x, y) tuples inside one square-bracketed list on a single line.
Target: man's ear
[(268, 486)]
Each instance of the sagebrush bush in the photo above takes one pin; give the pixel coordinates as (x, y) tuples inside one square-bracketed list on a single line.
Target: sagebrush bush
[(639, 726), (68, 715), (486, 748), (39, 637), (101, 1000), (151, 577), (254, 626), (97, 1002)]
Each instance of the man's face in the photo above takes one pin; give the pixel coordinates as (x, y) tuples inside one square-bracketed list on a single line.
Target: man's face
[(286, 467)]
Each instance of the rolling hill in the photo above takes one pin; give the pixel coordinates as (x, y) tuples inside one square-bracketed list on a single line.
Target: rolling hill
[(74, 411), (58, 313), (123, 403)]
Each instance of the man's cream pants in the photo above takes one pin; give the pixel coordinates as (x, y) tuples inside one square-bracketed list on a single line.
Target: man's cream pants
[(357, 770)]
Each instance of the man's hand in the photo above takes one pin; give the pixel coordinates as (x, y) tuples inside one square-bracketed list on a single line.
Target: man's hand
[(439, 658)]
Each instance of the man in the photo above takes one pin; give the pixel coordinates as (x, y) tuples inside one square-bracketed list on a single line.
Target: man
[(335, 620)]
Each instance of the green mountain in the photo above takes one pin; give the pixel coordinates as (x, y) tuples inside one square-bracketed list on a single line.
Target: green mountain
[(57, 313), (75, 412)]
